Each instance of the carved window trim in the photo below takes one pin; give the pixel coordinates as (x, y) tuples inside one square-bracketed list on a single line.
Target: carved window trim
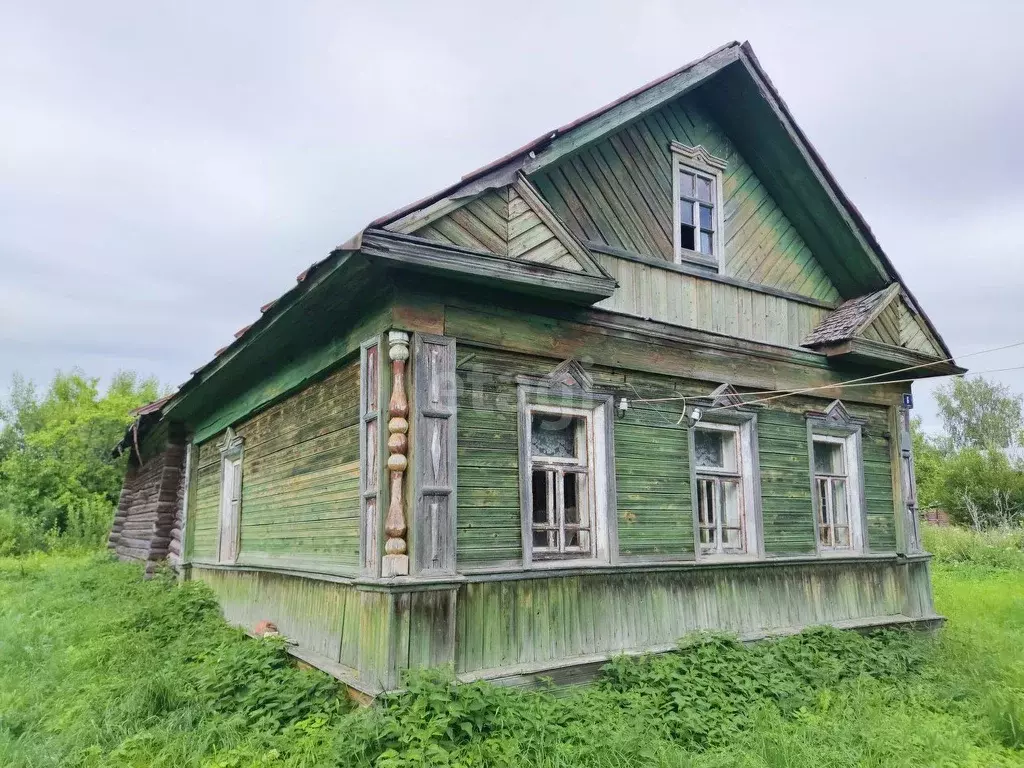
[(568, 389), (835, 425), (229, 508), (699, 162), (743, 425)]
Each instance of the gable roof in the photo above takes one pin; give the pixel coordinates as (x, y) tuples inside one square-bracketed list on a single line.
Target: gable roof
[(734, 60), (858, 252)]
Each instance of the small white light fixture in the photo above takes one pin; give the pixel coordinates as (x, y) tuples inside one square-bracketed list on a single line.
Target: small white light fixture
[(622, 407), (696, 415)]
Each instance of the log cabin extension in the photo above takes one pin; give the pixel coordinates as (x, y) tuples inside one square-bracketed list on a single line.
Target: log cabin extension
[(590, 398)]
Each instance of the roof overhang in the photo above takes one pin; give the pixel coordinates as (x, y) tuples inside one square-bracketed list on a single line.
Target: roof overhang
[(469, 266), (866, 352)]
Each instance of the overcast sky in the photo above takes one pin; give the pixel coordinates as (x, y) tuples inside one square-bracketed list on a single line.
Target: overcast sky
[(168, 167)]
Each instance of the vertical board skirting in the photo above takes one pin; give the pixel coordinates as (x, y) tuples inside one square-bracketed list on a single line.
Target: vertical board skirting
[(503, 624), (434, 456), (371, 438)]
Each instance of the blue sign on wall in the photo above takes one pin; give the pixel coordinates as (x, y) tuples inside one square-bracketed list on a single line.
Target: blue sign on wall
[(908, 400)]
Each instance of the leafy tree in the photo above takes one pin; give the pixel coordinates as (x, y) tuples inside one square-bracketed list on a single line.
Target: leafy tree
[(56, 471), (980, 414)]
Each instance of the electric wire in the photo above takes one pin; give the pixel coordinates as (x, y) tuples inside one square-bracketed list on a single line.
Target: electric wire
[(863, 381), (872, 378)]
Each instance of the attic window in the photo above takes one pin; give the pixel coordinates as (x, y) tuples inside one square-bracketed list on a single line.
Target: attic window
[(697, 184)]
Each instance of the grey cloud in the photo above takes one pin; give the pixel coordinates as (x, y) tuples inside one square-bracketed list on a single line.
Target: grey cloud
[(165, 169)]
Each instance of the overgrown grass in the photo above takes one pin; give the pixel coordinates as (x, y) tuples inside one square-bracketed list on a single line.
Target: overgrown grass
[(98, 668), (997, 548)]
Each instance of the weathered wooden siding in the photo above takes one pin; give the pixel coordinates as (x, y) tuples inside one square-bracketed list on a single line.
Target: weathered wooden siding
[(488, 520), (335, 621), (878, 492), (898, 326), (652, 478), (370, 635), (787, 509), (787, 504), (501, 222), (654, 503), (205, 497), (672, 297), (619, 193), (561, 618), (300, 474), (300, 479)]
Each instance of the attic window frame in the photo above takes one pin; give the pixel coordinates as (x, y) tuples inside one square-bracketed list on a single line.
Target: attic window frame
[(700, 162)]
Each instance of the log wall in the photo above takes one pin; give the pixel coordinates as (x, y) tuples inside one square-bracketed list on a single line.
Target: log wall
[(147, 525)]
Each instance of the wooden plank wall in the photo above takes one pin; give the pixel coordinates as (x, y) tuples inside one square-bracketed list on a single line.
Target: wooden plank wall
[(786, 481), (652, 474), (488, 523), (300, 479), (502, 624), (619, 193), (673, 297), (654, 503), (205, 495), (500, 221)]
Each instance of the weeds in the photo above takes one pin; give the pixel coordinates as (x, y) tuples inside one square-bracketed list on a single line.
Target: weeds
[(98, 668)]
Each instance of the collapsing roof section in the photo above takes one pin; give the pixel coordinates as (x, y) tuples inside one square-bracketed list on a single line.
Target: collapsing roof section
[(881, 329), (548, 257)]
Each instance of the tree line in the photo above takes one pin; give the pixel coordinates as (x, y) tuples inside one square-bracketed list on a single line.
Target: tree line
[(59, 483), (974, 468)]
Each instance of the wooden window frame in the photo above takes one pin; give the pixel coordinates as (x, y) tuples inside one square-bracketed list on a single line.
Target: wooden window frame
[(596, 410), (698, 161), (744, 427), (850, 440), (229, 509)]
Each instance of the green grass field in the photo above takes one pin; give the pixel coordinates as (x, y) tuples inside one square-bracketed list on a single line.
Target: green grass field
[(98, 668)]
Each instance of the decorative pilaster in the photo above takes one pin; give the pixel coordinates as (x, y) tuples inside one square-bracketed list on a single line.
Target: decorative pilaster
[(396, 558)]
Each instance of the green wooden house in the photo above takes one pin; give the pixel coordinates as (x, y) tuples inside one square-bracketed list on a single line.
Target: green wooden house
[(643, 376)]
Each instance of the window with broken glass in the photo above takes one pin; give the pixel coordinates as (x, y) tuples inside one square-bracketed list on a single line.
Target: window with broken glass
[(560, 479), (697, 216), (832, 495), (719, 477)]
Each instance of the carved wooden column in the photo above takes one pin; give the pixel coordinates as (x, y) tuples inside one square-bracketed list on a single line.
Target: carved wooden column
[(396, 558)]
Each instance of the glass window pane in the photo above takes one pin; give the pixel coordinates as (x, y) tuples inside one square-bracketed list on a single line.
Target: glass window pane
[(707, 243), (553, 435), (842, 537), (825, 536), (732, 540), (543, 539), (706, 217), (570, 497), (840, 513), (686, 235), (686, 212), (704, 189), (685, 184), (828, 458), (731, 504), (709, 447)]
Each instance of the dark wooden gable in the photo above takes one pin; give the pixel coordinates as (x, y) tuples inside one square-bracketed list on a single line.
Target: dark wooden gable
[(501, 222), (617, 192)]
